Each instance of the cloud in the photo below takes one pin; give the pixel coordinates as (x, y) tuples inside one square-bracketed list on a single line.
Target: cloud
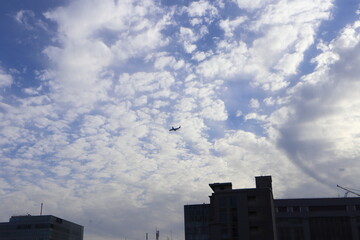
[(202, 12), (321, 128), (188, 37), (200, 56), (164, 60), (91, 139), (29, 21), (6, 79), (254, 103), (112, 32), (281, 39), (249, 4), (230, 25), (201, 8)]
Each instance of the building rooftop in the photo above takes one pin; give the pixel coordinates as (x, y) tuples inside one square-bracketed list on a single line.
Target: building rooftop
[(217, 187)]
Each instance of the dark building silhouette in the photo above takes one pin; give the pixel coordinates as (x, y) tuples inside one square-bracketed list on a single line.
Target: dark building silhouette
[(239, 214), (197, 219), (46, 227), (233, 214), (318, 219)]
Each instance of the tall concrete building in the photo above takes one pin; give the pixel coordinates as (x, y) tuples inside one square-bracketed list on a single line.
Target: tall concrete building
[(237, 214), (46, 227), (233, 214), (318, 218), (197, 219)]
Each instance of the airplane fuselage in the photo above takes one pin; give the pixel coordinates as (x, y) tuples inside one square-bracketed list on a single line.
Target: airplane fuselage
[(174, 129)]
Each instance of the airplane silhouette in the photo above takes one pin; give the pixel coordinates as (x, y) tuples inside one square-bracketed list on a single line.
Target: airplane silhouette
[(174, 129)]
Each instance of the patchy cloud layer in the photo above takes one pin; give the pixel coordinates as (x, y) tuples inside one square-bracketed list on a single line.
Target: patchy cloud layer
[(254, 85)]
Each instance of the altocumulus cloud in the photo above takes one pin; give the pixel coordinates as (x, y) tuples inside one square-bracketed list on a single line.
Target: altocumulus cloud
[(252, 83)]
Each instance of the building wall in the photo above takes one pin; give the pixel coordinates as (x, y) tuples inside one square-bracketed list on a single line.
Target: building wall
[(237, 214), (233, 214), (318, 219), (197, 221), (242, 214), (40, 228)]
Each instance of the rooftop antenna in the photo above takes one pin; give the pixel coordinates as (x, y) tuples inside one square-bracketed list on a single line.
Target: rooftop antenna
[(41, 209), (157, 234), (348, 191)]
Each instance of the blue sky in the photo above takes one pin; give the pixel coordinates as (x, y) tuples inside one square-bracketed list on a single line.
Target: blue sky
[(89, 90)]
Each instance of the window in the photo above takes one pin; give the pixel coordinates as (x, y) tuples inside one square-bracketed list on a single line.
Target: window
[(24, 226), (254, 229), (42, 225), (281, 209), (296, 209), (252, 213), (234, 217), (235, 233), (233, 202), (224, 233), (223, 202), (327, 208), (223, 217), (251, 198)]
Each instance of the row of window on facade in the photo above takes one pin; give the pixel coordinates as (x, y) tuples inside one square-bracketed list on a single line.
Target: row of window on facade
[(46, 226), (283, 209), (223, 201)]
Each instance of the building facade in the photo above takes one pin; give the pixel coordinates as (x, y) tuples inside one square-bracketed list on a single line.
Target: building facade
[(197, 219), (243, 214), (46, 227), (318, 219), (233, 214)]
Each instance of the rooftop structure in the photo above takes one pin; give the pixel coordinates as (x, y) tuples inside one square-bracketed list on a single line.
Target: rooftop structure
[(43, 227), (234, 214), (252, 213)]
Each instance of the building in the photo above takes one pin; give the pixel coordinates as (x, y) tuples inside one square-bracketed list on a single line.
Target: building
[(318, 219), (44, 227), (237, 214), (233, 214), (197, 219)]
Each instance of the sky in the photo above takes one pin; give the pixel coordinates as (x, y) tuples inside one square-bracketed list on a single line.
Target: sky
[(90, 88)]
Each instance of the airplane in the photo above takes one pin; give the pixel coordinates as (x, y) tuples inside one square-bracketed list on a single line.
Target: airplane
[(174, 129)]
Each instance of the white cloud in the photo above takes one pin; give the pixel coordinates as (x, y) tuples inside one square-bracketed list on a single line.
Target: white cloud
[(349, 37), (5, 79), (252, 4), (29, 21), (255, 116), (201, 8), (226, 64), (188, 37), (294, 12), (200, 56), (282, 37), (320, 127), (95, 130), (79, 76), (155, 85), (163, 60), (269, 101), (201, 12), (189, 48), (254, 103), (230, 25)]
